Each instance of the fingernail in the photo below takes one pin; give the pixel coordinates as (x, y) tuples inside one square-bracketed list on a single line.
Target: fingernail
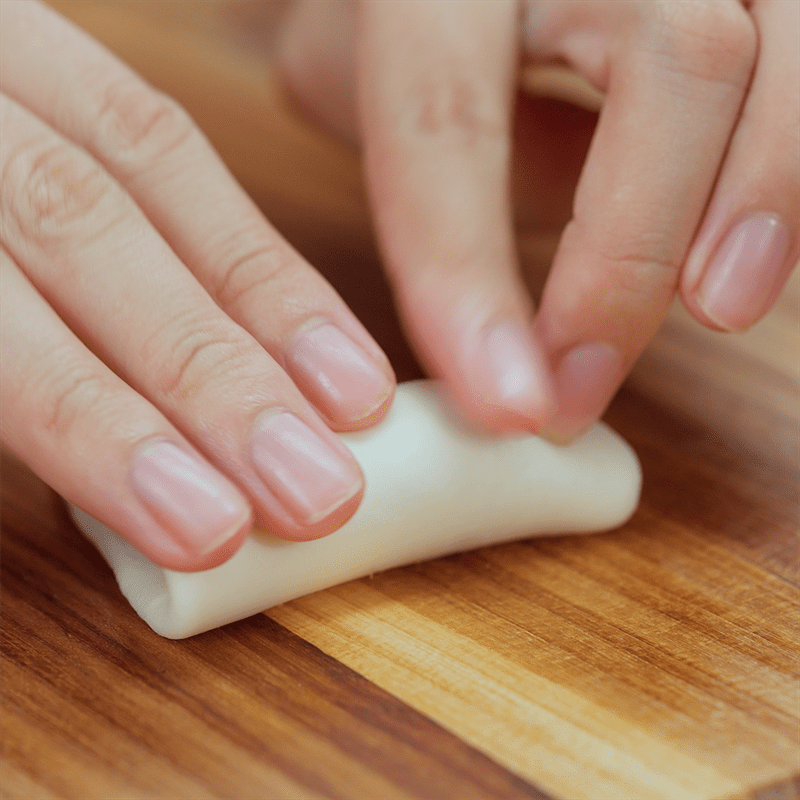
[(514, 372), (586, 380), (196, 505), (742, 275), (306, 474), (336, 375)]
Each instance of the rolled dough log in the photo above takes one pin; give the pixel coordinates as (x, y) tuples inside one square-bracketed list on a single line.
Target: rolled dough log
[(433, 488)]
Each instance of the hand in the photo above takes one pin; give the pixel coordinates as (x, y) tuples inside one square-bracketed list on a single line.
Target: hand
[(690, 183), (169, 363)]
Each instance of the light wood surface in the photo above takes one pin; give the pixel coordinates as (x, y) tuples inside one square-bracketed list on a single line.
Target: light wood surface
[(658, 661)]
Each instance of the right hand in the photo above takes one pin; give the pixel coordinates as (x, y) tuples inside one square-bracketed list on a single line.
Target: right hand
[(170, 364), (689, 181)]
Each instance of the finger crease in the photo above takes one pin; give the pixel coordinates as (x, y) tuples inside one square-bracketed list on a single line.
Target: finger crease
[(237, 280)]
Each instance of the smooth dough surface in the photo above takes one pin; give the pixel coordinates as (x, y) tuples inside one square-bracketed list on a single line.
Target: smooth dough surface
[(433, 488)]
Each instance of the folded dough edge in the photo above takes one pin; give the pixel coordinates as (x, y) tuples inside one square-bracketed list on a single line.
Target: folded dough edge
[(433, 488)]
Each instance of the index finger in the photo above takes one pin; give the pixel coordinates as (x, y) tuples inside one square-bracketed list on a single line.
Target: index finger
[(435, 93)]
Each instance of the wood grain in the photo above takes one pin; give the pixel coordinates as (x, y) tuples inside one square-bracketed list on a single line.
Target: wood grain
[(658, 661), (98, 706)]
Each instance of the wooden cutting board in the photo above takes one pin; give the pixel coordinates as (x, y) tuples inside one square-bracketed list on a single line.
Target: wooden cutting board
[(658, 661)]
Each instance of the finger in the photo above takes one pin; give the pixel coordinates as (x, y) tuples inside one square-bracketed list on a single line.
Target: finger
[(435, 102), (102, 446), (90, 251), (316, 60), (675, 75), (748, 242), (153, 149)]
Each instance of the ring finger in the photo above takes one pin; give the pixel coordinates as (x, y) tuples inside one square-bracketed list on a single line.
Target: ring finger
[(80, 428)]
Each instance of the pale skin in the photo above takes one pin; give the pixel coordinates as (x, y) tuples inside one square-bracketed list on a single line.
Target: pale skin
[(175, 368)]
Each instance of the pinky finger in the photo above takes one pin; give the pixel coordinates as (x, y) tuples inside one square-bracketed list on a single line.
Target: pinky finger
[(102, 446)]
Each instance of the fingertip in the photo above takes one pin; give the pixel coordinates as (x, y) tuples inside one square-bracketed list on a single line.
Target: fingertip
[(516, 381), (351, 386), (292, 532), (586, 380), (375, 414), (504, 384), (200, 518), (744, 275), (218, 553), (310, 481)]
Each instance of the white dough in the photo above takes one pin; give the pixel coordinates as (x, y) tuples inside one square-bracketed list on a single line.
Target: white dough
[(433, 488)]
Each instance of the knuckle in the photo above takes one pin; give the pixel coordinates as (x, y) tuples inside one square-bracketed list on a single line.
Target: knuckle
[(641, 267), (637, 276), (72, 398), (137, 126), (639, 279), (52, 193), (203, 354), (713, 41), (454, 107), (250, 267)]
